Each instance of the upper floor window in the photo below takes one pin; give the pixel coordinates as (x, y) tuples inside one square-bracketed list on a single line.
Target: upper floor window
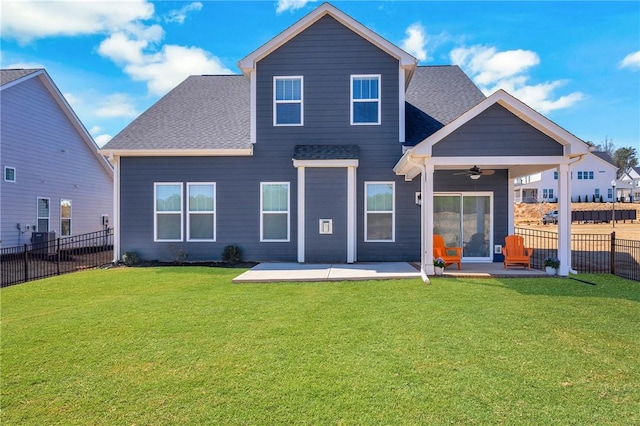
[(287, 101), (9, 174), (365, 99), (584, 175)]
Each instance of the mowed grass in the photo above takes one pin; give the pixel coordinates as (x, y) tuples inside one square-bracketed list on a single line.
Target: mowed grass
[(186, 346)]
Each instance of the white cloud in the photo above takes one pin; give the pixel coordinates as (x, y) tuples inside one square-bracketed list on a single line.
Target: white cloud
[(508, 70), (101, 140), (291, 5), (27, 20), (180, 15), (631, 61), (416, 41), (116, 105)]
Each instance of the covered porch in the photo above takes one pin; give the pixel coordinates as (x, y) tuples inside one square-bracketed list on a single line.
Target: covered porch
[(479, 155)]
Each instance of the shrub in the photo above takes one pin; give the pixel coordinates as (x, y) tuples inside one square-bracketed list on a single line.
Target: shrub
[(439, 262), (552, 262), (231, 254), (131, 258), (579, 200), (179, 254)]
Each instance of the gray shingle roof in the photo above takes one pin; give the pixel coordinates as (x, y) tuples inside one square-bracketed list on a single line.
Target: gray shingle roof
[(326, 152), (213, 112), (604, 156), (7, 76), (202, 112), (436, 96)]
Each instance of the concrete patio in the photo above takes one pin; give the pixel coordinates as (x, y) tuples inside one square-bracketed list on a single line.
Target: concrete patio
[(306, 272)]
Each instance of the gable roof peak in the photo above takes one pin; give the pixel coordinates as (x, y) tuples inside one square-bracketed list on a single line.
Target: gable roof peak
[(248, 63)]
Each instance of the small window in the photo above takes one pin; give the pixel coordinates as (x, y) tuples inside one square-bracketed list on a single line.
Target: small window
[(168, 211), (43, 214), (65, 218), (9, 174), (365, 99), (580, 175), (597, 191), (201, 212), (547, 193), (379, 212), (287, 101), (555, 175), (274, 208)]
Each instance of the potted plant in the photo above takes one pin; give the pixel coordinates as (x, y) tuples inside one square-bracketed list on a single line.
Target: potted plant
[(551, 265), (438, 266)]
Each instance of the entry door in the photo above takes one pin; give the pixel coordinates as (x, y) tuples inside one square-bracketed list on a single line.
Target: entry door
[(326, 215), (466, 220)]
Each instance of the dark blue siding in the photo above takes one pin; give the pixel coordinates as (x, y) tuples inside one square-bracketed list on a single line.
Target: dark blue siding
[(326, 198), (496, 132)]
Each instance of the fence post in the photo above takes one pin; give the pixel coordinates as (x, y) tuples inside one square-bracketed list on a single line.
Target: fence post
[(58, 256), (613, 253), (26, 264)]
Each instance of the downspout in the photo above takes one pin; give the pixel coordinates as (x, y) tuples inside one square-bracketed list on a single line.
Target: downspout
[(579, 159)]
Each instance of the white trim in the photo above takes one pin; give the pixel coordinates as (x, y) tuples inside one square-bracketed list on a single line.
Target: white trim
[(116, 208), (240, 152), (288, 213), (427, 221), (352, 243), (301, 212), (15, 177), (38, 217), (214, 212), (248, 63), (352, 101), (393, 211), (156, 213), (294, 101), (70, 217), (325, 163), (401, 107), (254, 107)]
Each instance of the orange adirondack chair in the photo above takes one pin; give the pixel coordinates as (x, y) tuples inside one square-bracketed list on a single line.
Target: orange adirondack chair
[(446, 253), (515, 253)]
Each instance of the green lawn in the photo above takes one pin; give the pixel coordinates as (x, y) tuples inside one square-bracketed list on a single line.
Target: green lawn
[(186, 346)]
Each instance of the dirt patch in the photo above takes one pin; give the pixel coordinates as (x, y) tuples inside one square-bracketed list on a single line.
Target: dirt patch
[(530, 216)]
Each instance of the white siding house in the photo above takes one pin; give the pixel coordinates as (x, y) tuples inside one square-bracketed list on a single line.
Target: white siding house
[(630, 185), (53, 178), (590, 180)]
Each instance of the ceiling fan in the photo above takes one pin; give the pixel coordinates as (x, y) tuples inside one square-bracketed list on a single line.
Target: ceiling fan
[(475, 172)]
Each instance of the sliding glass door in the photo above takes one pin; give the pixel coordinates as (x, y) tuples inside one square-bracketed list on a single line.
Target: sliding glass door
[(466, 220)]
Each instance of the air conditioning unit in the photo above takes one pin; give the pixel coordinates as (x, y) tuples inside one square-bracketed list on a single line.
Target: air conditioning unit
[(43, 243)]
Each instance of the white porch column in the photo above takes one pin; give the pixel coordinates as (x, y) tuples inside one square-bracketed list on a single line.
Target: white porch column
[(564, 220), (115, 161), (301, 187), (511, 228), (351, 214), (426, 263)]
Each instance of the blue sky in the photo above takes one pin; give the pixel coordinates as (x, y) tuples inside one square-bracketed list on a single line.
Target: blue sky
[(578, 63)]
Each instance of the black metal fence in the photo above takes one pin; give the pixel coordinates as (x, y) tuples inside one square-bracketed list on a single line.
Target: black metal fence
[(590, 253), (55, 256)]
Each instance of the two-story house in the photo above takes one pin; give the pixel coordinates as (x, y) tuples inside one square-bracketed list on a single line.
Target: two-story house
[(54, 180), (590, 181), (631, 181), (313, 154)]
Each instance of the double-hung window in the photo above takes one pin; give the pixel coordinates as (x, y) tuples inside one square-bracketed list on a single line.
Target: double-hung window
[(201, 212), (379, 218), (43, 214), (287, 101), (365, 99), (168, 211), (65, 218), (274, 211)]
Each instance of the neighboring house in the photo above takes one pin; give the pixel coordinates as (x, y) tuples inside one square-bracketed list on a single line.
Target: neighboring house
[(314, 154), (54, 179), (590, 180), (630, 181)]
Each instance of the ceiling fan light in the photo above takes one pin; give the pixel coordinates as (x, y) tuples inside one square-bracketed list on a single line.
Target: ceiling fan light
[(475, 177)]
